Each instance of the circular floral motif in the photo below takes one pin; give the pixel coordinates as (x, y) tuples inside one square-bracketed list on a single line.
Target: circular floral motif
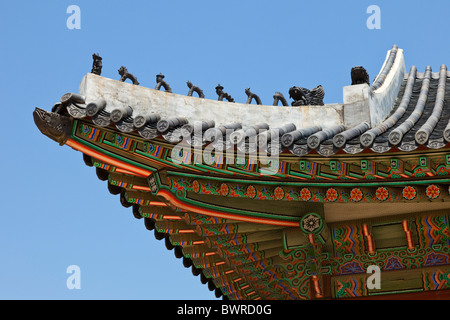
[(251, 191), (433, 191), (382, 193), (223, 189), (311, 223), (409, 192), (331, 195), (195, 186), (278, 193), (356, 195), (305, 194)]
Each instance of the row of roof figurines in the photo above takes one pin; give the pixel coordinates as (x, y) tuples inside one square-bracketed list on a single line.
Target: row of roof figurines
[(300, 95)]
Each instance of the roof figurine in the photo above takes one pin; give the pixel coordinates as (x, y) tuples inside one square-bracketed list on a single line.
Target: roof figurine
[(252, 96), (359, 75), (223, 95), (193, 88), (304, 97), (97, 64), (278, 96), (126, 75), (161, 83)]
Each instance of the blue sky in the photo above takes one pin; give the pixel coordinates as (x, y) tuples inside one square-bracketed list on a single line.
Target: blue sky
[(55, 212)]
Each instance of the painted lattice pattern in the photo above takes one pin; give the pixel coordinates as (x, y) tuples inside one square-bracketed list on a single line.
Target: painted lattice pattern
[(433, 229), (348, 239), (436, 279), (350, 287)]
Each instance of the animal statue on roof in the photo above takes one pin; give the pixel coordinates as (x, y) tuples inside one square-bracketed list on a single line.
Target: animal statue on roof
[(193, 88), (97, 64), (126, 75), (223, 95), (305, 97), (359, 75), (160, 82), (278, 96), (252, 96)]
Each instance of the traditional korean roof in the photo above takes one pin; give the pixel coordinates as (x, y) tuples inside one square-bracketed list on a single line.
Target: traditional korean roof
[(418, 118), (352, 180)]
